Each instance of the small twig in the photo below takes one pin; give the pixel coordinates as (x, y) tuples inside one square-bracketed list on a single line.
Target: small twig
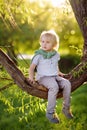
[(6, 86), (4, 78)]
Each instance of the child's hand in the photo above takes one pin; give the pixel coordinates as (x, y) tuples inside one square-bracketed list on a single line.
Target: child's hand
[(61, 74), (31, 80)]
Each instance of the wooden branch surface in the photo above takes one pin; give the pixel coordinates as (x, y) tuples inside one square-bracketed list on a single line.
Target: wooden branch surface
[(36, 89)]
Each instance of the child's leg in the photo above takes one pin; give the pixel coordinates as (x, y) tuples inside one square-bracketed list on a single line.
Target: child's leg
[(66, 86), (53, 89)]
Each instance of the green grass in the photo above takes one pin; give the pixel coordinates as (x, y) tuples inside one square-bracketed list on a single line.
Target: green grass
[(20, 111)]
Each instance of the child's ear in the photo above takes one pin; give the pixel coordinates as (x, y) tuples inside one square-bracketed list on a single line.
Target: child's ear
[(56, 47)]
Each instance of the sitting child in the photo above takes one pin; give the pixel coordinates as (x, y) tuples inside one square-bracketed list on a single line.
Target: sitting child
[(45, 61)]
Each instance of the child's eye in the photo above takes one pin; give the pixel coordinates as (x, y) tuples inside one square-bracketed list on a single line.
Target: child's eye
[(42, 41)]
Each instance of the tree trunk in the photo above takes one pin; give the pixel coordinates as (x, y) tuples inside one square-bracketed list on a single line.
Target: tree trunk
[(80, 10), (77, 77)]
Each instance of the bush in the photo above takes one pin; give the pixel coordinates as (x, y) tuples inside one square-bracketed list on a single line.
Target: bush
[(68, 62)]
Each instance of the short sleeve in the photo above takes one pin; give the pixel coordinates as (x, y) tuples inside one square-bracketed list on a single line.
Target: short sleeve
[(58, 56), (35, 59)]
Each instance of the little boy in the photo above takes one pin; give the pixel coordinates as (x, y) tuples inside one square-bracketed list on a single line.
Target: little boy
[(45, 61)]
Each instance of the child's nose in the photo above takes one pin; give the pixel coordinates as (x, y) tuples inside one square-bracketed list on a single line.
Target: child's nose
[(44, 43)]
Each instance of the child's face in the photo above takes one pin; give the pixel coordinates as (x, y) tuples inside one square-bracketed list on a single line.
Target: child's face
[(46, 43)]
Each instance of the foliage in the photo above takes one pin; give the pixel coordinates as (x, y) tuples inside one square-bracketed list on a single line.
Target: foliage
[(81, 70), (21, 23), (18, 110), (68, 62)]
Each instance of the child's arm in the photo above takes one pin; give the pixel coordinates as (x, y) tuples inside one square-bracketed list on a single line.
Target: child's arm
[(60, 73), (31, 72)]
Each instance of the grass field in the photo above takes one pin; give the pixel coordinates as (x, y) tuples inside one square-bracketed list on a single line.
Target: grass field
[(20, 111)]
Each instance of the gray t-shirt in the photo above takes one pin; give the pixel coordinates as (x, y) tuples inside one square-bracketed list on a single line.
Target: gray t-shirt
[(46, 67)]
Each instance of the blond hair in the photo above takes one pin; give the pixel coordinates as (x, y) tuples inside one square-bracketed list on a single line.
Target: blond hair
[(53, 37)]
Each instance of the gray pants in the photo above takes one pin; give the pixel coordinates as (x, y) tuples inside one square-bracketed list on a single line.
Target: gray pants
[(53, 83)]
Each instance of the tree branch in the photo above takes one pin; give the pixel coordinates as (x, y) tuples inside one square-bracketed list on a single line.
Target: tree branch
[(77, 77)]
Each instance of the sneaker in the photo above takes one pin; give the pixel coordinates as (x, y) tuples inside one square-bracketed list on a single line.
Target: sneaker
[(67, 113), (52, 117)]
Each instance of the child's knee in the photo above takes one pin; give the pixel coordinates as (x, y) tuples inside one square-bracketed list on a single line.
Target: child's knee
[(54, 88), (68, 84), (67, 87)]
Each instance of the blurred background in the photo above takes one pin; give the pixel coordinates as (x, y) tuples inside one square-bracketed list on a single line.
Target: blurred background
[(22, 21)]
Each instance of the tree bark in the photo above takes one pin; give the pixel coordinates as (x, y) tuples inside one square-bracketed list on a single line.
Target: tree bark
[(77, 77), (80, 10)]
